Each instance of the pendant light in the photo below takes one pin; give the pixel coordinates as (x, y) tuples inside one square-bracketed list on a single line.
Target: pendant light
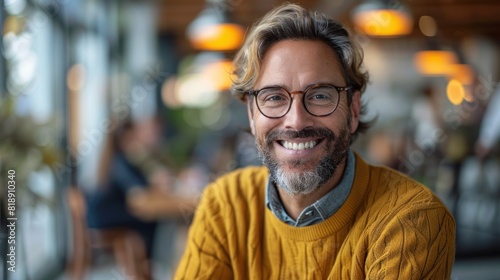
[(382, 18), (212, 30)]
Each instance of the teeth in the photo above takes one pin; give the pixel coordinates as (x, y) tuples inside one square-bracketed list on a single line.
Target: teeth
[(299, 146)]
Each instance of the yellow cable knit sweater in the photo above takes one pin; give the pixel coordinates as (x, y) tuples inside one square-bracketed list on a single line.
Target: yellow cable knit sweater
[(390, 227)]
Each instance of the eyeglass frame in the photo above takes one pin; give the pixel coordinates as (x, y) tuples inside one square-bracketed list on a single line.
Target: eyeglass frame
[(337, 88)]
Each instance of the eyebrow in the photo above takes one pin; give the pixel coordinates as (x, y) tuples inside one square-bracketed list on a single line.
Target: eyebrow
[(273, 85), (285, 87)]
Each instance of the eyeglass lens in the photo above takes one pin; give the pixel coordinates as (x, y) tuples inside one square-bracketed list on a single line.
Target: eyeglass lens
[(275, 102)]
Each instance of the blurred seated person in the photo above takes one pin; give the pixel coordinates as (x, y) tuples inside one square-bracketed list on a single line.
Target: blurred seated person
[(123, 177), (489, 133)]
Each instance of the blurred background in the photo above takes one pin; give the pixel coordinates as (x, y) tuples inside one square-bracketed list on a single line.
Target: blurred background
[(116, 114)]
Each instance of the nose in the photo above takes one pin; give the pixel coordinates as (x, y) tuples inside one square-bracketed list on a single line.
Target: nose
[(297, 117)]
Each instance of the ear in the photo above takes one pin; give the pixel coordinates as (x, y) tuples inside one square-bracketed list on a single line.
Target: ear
[(250, 115), (355, 110)]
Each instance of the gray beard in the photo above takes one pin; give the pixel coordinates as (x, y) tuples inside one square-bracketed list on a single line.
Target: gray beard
[(308, 181)]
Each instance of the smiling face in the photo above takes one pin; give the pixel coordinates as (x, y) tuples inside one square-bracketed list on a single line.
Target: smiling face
[(303, 152)]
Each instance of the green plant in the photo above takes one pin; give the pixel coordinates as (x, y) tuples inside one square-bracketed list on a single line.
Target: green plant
[(26, 145)]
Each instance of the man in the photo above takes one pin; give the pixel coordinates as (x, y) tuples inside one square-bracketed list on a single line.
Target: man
[(317, 210)]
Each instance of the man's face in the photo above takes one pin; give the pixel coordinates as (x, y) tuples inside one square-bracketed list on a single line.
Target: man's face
[(320, 143)]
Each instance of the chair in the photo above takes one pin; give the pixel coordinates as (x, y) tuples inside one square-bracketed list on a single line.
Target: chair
[(126, 246)]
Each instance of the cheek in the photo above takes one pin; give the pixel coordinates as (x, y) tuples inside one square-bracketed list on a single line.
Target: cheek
[(260, 139), (342, 109), (262, 125), (345, 113)]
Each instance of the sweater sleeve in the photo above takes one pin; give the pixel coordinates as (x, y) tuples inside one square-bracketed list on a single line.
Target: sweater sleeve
[(416, 244), (205, 256)]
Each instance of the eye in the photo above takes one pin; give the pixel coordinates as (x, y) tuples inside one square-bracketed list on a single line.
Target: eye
[(272, 95), (321, 93), (321, 96)]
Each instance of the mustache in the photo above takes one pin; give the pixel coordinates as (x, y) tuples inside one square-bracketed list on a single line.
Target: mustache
[(319, 132)]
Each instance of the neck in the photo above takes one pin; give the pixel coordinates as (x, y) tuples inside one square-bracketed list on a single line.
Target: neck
[(295, 204)]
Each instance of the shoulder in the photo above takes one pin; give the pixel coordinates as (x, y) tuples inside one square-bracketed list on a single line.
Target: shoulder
[(243, 176), (395, 191), (397, 183), (396, 203), (242, 185)]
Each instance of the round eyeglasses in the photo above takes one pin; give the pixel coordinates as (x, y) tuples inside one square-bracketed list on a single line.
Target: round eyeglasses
[(319, 100)]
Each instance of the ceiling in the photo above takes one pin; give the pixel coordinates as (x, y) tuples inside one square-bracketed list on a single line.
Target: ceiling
[(456, 19)]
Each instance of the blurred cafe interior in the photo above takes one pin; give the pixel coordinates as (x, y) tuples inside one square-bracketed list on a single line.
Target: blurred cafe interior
[(144, 84)]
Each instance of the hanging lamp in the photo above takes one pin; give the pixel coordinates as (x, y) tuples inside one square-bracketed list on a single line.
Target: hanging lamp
[(382, 18), (212, 29)]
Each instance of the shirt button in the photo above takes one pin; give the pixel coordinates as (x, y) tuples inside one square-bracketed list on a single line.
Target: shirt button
[(309, 213)]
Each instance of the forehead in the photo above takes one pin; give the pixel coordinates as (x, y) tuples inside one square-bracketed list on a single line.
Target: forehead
[(299, 63)]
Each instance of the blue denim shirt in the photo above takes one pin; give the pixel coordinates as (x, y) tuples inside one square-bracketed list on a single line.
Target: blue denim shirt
[(322, 208)]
